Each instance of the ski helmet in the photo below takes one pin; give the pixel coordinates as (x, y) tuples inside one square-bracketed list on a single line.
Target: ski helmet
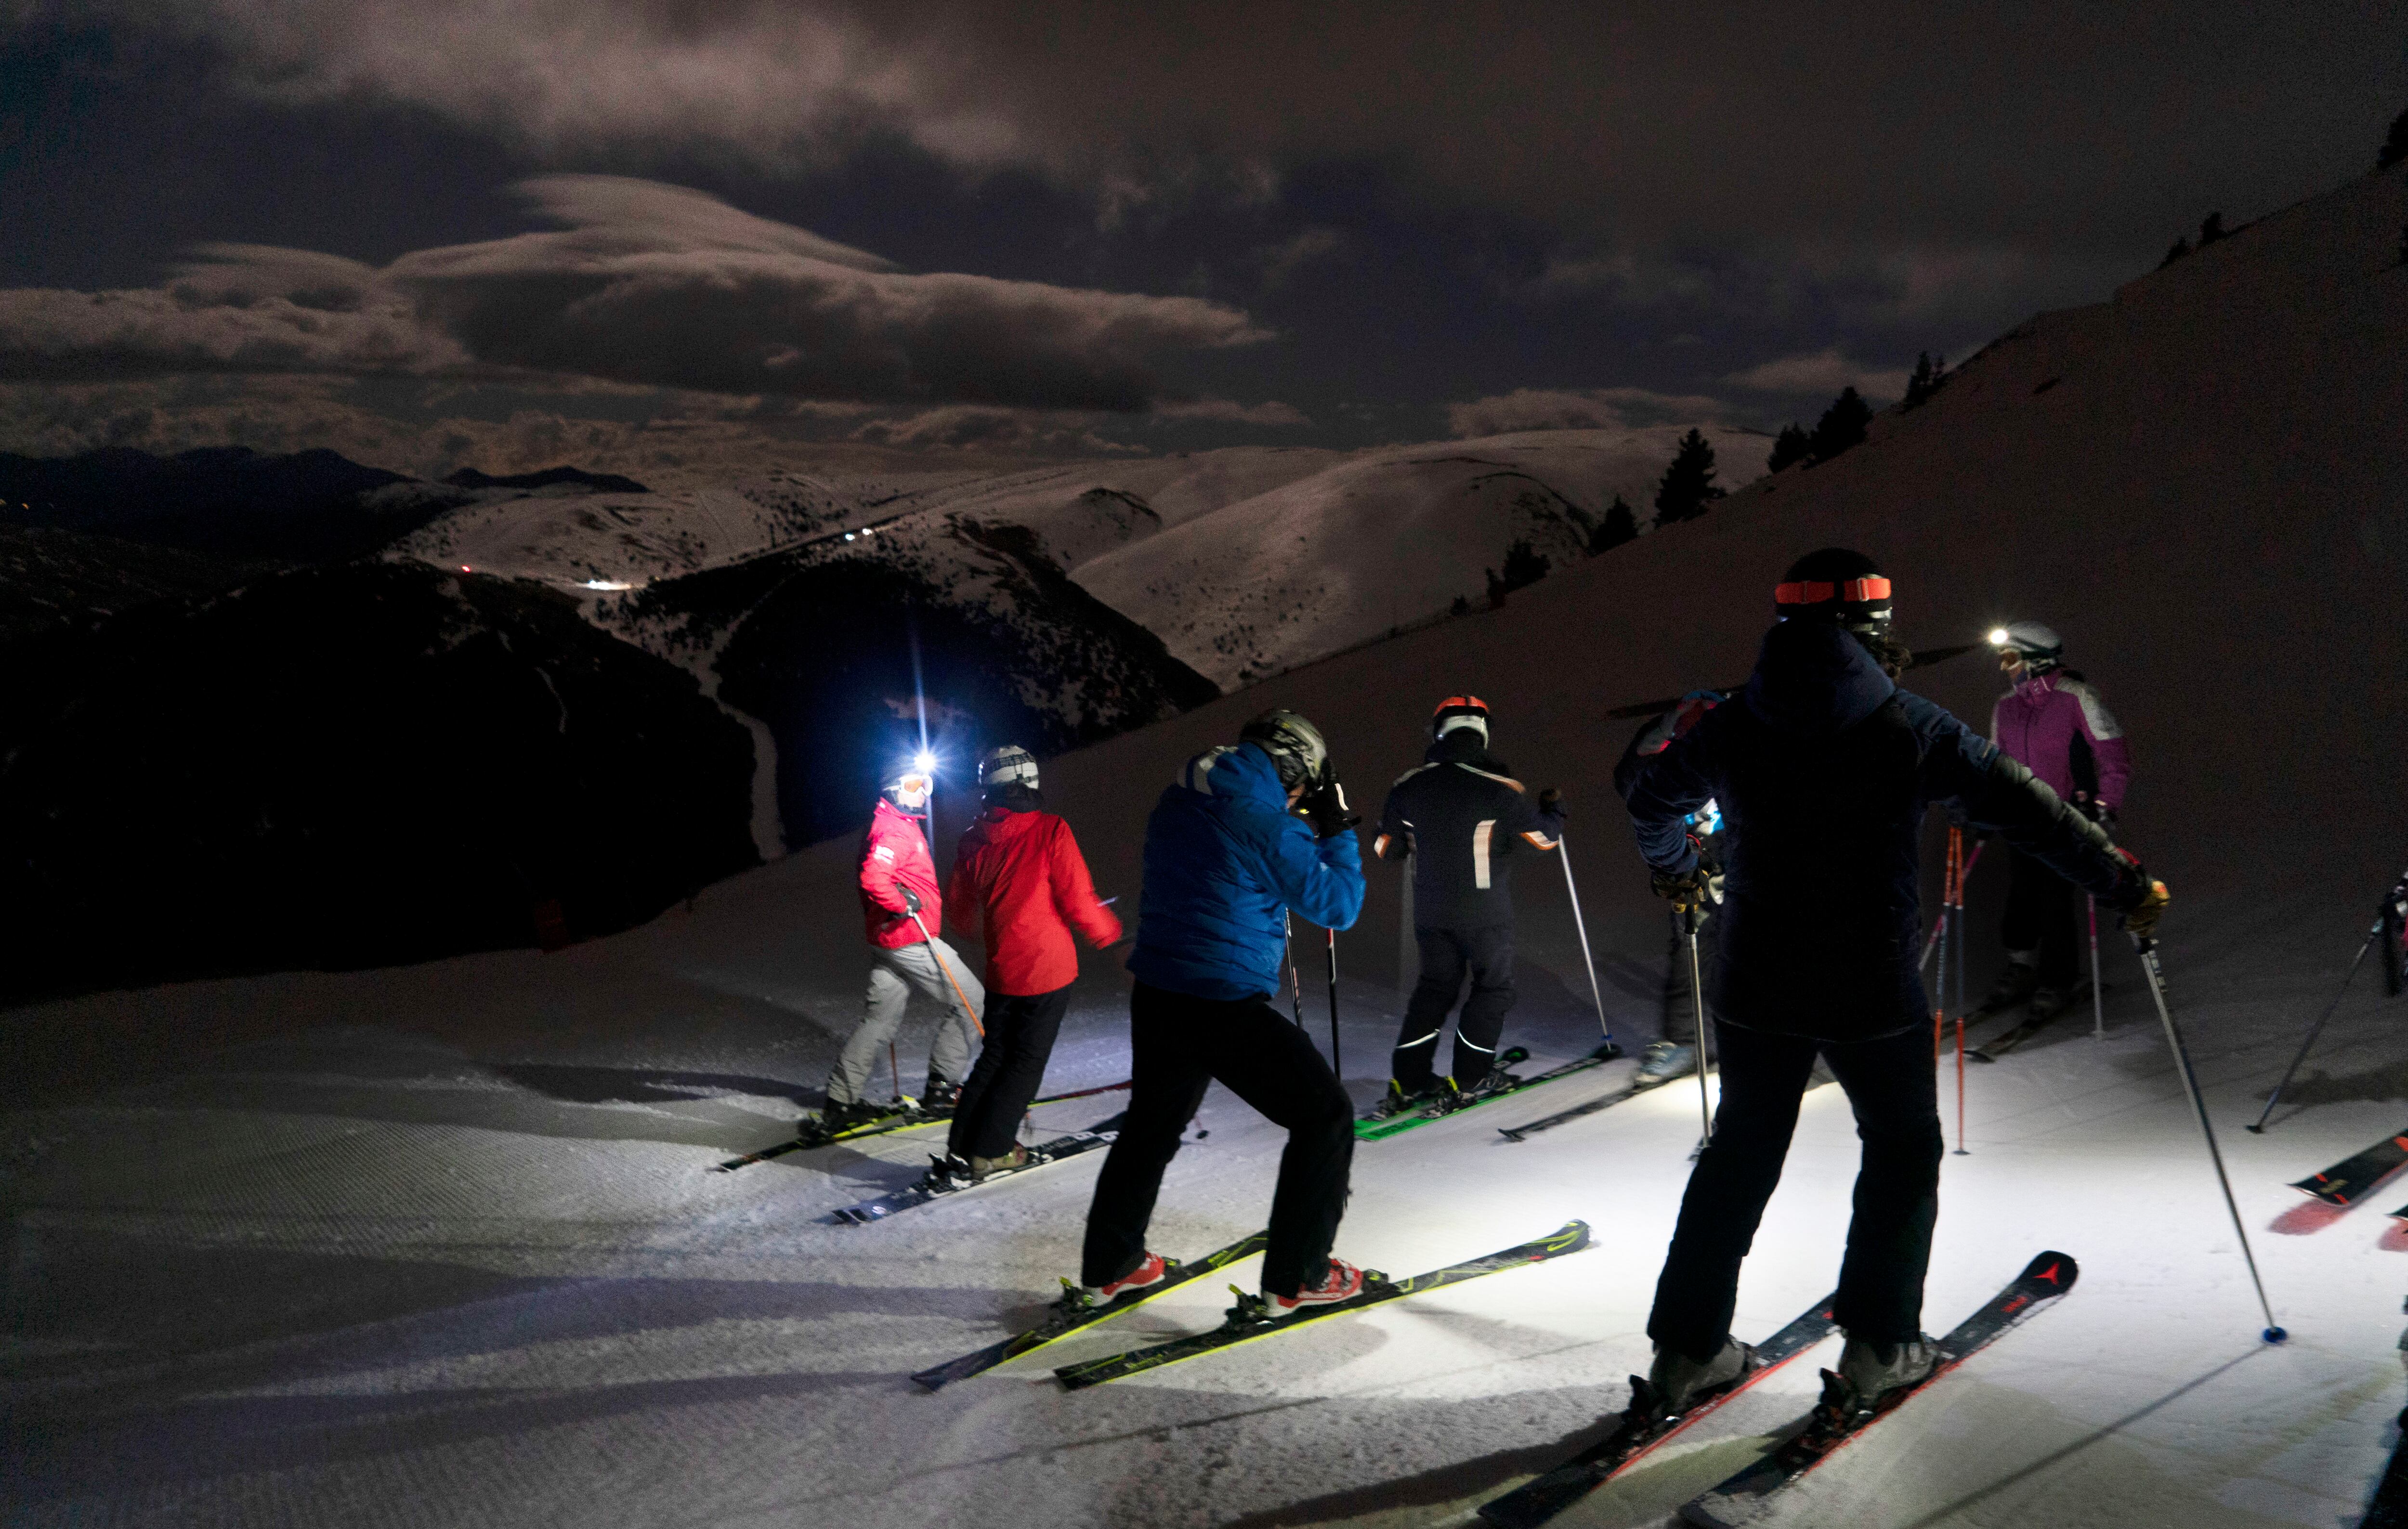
[(909, 781), (1460, 712), (2042, 647), (1294, 744), (1010, 765), (1835, 585)]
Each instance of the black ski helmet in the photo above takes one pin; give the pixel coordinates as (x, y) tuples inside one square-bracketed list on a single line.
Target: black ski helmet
[(1294, 744), (1460, 712), (1835, 585)]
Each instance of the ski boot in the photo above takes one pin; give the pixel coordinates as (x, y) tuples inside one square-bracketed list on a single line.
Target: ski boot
[(1662, 1062), (2015, 986), (2047, 1003), (1878, 1372), (941, 1097), (1496, 1081), (1340, 1281), (981, 1166), (1400, 1100), (1151, 1271), (838, 1116), (1675, 1382)]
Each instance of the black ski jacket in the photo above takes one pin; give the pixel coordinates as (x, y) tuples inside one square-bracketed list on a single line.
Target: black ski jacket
[(1824, 769), (1465, 817)]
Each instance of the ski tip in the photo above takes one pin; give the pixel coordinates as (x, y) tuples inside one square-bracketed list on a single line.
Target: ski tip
[(1511, 1134), (2052, 1269), (2274, 1335)]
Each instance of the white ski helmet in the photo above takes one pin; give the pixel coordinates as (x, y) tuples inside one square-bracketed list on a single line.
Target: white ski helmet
[(1010, 765), (1294, 745), (2040, 646)]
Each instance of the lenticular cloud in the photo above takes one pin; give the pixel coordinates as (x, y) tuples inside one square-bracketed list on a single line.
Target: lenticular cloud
[(642, 283)]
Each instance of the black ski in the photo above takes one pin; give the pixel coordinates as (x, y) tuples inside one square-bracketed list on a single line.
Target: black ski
[(1252, 1317), (1999, 1046), (937, 1184), (1840, 1416), (1073, 1312), (908, 1115), (1378, 1127), (2353, 1177), (1548, 1122), (1644, 1426)]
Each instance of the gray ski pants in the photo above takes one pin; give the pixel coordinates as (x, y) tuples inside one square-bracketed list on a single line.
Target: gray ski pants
[(893, 977)]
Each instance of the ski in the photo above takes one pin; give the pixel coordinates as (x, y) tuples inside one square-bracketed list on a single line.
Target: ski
[(1999, 1046), (1644, 1426), (937, 1184), (1377, 1127), (2353, 1177), (1840, 1416), (1072, 1312), (1252, 1317), (1548, 1122), (909, 1117)]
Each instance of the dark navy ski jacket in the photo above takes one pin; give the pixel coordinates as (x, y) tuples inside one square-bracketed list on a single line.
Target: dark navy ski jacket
[(1466, 819), (1225, 859), (1824, 769)]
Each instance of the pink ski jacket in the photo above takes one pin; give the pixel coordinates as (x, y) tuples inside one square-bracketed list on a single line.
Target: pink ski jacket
[(2056, 727)]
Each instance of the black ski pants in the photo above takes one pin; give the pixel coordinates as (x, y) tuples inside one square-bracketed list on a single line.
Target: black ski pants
[(2041, 916), (1178, 1046), (1020, 1030), (1892, 1087), (1447, 956)]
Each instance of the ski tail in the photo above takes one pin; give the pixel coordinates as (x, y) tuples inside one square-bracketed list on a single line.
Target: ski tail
[(2353, 1177)]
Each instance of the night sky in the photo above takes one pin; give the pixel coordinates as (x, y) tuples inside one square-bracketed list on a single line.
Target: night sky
[(448, 231)]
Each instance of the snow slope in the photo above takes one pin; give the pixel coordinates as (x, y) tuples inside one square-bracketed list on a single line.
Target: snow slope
[(438, 1245)]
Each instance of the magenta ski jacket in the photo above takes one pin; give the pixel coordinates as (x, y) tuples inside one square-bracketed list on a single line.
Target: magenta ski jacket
[(2055, 726)]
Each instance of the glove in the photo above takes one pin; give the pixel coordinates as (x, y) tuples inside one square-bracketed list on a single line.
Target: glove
[(1326, 808), (1699, 886), (1551, 801), (910, 898), (2141, 918)]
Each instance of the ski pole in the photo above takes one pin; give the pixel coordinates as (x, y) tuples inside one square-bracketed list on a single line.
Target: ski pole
[(1698, 1003), (1333, 1001), (2097, 989), (1960, 1086), (1940, 990), (2148, 948), (968, 1007), (1587, 960), (1295, 983), (1964, 869), (894, 1066), (1931, 941), (2310, 1039)]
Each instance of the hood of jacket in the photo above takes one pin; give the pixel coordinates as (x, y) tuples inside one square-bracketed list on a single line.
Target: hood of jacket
[(1464, 747), (1242, 772), (1814, 678)]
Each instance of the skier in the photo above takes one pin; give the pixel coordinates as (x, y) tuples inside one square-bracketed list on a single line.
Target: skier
[(2053, 721), (1462, 816), (1824, 768), (1227, 855), (1674, 1052), (1018, 876), (898, 902)]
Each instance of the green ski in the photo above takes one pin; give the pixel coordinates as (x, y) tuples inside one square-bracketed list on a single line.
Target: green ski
[(1375, 1127)]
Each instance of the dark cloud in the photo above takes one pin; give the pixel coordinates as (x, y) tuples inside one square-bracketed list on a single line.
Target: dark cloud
[(645, 285), (1587, 409)]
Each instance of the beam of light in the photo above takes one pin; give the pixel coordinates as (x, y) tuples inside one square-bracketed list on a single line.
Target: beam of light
[(919, 689)]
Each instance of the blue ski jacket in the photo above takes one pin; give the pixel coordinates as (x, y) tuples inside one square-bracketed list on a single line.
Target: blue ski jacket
[(1225, 859), (1824, 769)]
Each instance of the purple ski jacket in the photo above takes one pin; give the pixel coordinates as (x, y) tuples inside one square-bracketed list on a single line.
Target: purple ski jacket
[(2055, 726)]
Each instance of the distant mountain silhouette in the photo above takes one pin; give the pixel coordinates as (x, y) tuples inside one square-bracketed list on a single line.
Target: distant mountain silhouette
[(228, 501), (470, 477)]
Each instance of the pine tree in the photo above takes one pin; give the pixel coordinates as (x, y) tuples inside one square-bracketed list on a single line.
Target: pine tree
[(1930, 372), (2181, 247), (1524, 565), (1689, 485), (1842, 427), (2211, 229), (1789, 446), (2395, 148), (1620, 525)]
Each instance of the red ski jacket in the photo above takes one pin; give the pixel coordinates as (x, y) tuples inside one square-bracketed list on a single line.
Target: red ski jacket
[(894, 855), (1021, 884)]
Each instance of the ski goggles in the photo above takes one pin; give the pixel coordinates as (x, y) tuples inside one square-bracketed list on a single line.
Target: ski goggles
[(1814, 592)]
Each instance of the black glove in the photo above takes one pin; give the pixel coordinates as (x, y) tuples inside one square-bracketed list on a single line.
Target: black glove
[(1552, 801), (1326, 808), (910, 898), (1698, 887)]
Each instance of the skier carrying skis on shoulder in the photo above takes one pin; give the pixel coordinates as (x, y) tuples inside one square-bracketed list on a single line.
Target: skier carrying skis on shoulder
[(1824, 768), (1018, 876), (1463, 818), (903, 916), (2053, 722), (1227, 856)]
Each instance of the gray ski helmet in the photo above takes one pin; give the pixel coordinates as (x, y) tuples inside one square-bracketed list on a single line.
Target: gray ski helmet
[(2040, 647), (1460, 712), (1010, 765), (1294, 744), (1835, 585)]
